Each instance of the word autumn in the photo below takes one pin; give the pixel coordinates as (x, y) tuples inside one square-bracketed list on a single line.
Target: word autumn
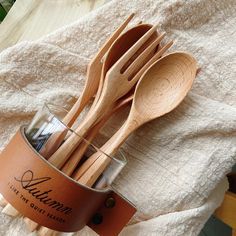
[(32, 186)]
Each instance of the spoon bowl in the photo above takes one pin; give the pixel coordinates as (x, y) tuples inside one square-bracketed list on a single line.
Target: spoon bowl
[(164, 85)]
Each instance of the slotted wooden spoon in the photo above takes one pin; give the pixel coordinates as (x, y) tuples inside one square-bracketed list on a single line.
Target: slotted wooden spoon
[(93, 76)]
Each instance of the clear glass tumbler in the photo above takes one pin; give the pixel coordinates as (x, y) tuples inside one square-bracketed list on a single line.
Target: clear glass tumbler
[(47, 132)]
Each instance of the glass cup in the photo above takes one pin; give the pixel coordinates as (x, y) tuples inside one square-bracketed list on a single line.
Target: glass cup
[(47, 132)]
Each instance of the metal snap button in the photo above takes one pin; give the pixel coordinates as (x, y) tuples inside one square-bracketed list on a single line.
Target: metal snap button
[(110, 202), (97, 219)]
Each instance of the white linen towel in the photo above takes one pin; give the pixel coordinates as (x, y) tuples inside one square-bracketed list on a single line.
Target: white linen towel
[(176, 164)]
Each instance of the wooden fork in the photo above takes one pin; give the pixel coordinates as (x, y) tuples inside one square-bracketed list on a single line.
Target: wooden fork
[(116, 85)]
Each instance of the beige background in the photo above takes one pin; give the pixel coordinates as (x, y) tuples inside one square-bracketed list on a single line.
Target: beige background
[(31, 19)]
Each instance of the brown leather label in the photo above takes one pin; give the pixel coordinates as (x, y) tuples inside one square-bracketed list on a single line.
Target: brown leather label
[(42, 193)]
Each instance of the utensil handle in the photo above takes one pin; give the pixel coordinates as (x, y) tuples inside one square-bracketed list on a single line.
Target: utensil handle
[(76, 156), (59, 158), (70, 165), (52, 144), (88, 90), (97, 163), (94, 171), (77, 108)]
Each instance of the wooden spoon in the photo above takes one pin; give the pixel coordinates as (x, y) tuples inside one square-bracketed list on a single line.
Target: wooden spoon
[(115, 86), (93, 158), (161, 89)]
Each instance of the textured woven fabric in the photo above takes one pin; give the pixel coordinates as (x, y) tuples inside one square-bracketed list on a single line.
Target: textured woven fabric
[(176, 164)]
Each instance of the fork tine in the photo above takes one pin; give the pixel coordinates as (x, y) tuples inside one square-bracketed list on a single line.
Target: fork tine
[(157, 55), (137, 63), (113, 37), (121, 62)]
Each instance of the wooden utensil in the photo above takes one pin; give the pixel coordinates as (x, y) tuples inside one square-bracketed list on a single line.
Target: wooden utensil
[(161, 89), (92, 82), (115, 86), (3, 202), (93, 158)]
